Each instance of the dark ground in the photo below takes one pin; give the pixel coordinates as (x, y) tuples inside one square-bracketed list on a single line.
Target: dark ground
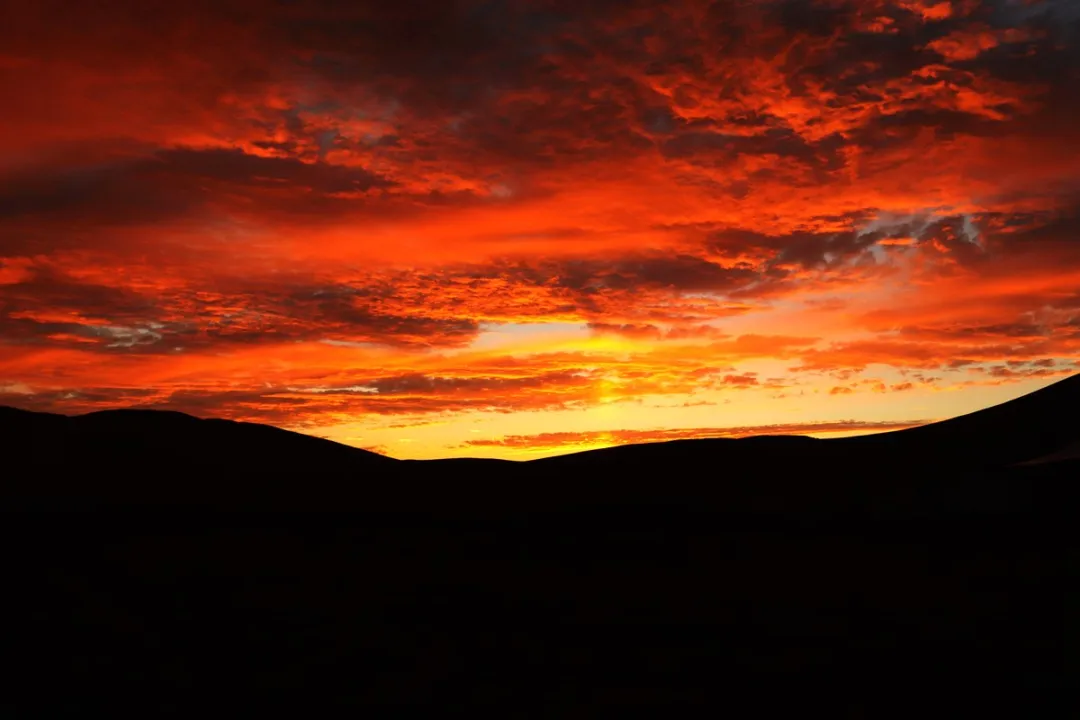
[(864, 578), (552, 614)]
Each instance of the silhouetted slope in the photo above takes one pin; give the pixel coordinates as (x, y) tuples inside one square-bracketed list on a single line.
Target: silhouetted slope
[(146, 455), (151, 439), (1071, 452), (1028, 427), (1037, 424), (751, 451)]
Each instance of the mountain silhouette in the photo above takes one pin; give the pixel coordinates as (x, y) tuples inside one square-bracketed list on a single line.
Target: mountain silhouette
[(665, 575)]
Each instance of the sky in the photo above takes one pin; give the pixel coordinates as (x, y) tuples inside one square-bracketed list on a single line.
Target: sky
[(521, 228)]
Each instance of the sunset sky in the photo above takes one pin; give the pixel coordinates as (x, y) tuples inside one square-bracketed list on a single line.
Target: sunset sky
[(516, 228)]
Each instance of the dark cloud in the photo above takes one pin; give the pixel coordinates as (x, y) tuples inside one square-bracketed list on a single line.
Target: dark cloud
[(115, 193), (521, 84), (803, 249), (430, 54), (1034, 235), (172, 182), (415, 383), (627, 330), (49, 307), (742, 380), (681, 272), (1020, 330), (48, 288), (958, 236), (309, 404), (239, 168), (433, 309)]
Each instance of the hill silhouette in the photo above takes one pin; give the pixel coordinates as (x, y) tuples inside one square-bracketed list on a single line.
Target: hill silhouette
[(665, 575), (133, 457)]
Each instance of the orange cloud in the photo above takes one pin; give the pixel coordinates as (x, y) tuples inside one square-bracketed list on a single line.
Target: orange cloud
[(316, 213), (571, 441)]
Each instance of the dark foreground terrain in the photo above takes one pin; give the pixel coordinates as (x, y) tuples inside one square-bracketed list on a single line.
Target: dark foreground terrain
[(929, 571)]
